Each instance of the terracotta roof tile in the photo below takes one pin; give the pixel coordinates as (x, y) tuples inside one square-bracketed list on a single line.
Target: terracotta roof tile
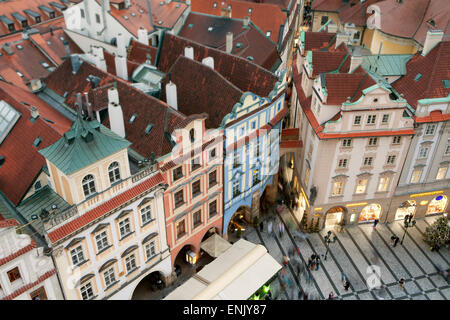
[(325, 61), (318, 40), (8, 223), (342, 85)]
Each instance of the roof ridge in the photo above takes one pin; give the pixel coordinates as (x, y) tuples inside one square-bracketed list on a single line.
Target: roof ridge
[(434, 67)]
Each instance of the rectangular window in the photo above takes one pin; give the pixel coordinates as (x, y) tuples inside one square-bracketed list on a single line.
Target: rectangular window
[(179, 198), (415, 178), (236, 188), (253, 125), (361, 186), (385, 118), (130, 263), (146, 214), (347, 142), (383, 184), (196, 188), (195, 163), (255, 179), (396, 140), (212, 177), (11, 27), (150, 250), (212, 208), (177, 173), (236, 161), (77, 255), (256, 149), (368, 161), (391, 160), (87, 292), (371, 119), (342, 163), (101, 240), (97, 18), (124, 227), (430, 129), (338, 188), (442, 172), (14, 274), (181, 229), (323, 20), (212, 153), (423, 152), (82, 13), (109, 277), (373, 141), (357, 120), (307, 170), (197, 218)]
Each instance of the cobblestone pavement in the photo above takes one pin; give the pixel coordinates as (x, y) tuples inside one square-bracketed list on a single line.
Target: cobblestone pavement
[(357, 250)]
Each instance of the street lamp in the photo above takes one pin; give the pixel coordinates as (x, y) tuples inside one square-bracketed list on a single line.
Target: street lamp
[(329, 240), (408, 223)]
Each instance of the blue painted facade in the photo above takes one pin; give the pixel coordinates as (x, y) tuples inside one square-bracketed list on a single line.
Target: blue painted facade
[(249, 167)]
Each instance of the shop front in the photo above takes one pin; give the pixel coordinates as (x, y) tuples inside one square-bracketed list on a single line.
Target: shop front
[(437, 205), (370, 213), (407, 208), (334, 217)]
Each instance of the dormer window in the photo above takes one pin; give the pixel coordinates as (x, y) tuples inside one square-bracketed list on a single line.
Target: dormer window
[(88, 185), (114, 172)]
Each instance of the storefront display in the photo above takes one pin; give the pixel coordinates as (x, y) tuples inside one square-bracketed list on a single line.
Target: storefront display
[(437, 205), (370, 212), (334, 217), (406, 208)]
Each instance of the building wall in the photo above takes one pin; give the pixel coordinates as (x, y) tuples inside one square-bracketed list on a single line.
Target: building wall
[(317, 18), (391, 44)]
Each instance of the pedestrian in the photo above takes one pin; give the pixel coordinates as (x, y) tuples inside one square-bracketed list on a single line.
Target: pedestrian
[(261, 226), (310, 260), (298, 250), (401, 284), (313, 265), (346, 285), (269, 227), (343, 277), (285, 260), (281, 227), (313, 256), (375, 222), (317, 262), (331, 296), (393, 239), (300, 294), (396, 240)]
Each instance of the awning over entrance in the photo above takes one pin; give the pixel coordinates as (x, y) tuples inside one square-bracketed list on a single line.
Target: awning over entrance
[(235, 275), (215, 245)]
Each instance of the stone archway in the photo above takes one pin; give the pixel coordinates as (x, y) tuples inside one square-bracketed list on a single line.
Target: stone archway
[(149, 287), (335, 216)]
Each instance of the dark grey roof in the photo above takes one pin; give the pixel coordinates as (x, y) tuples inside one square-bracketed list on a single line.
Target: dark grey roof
[(46, 9), (6, 20), (32, 13), (19, 16)]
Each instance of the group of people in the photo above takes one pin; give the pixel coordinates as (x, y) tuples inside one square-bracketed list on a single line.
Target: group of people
[(314, 262)]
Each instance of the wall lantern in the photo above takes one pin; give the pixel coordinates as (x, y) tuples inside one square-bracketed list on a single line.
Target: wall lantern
[(191, 257)]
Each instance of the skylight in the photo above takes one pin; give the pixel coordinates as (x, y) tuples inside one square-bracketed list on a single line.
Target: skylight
[(45, 64), (133, 117), (446, 83), (418, 76), (210, 29), (8, 118), (37, 142), (148, 129)]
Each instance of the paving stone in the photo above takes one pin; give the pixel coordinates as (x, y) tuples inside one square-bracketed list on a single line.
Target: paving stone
[(438, 280), (419, 297), (412, 287), (435, 295), (365, 296), (425, 284), (446, 293)]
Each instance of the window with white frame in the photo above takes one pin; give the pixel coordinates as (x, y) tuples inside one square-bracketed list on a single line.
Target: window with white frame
[(236, 160), (114, 172), (150, 249), (124, 227), (338, 188), (87, 291), (109, 276), (130, 262), (77, 255), (342, 163), (347, 142), (391, 159), (361, 185), (88, 185), (430, 129), (442, 172), (368, 161), (385, 119), (146, 214), (101, 240), (236, 188), (357, 120), (256, 149), (371, 118), (423, 152), (373, 141), (415, 177), (396, 140), (383, 184)]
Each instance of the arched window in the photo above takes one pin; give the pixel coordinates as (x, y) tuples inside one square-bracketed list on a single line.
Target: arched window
[(114, 172), (88, 185), (192, 135)]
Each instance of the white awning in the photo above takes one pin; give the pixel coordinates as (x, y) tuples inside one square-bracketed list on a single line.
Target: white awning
[(235, 275), (215, 245)]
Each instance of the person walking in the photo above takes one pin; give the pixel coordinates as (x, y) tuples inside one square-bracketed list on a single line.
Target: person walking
[(269, 227), (285, 260), (281, 227), (310, 260), (401, 284), (375, 222), (396, 240), (261, 226), (346, 285), (317, 262), (331, 296)]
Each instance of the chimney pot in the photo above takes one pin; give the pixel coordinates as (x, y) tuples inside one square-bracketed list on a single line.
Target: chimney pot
[(121, 67), (432, 39), (171, 95), (189, 52), (229, 42), (115, 113), (34, 112)]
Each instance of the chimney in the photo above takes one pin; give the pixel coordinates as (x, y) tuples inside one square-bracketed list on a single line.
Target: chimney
[(332, 27), (143, 36), (7, 48), (246, 21), (121, 45), (115, 113), (341, 38), (355, 62), (432, 39), (189, 52), (171, 95), (99, 58), (121, 67), (76, 63), (188, 2), (34, 112), (88, 105), (148, 59), (229, 42), (208, 61)]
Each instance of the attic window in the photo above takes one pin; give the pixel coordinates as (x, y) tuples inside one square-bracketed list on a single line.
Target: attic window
[(133, 14), (250, 58), (20, 74), (37, 141), (161, 3), (268, 33), (48, 42), (215, 5), (417, 77), (148, 129), (19, 47), (431, 22), (190, 25), (250, 10), (62, 39), (238, 45), (177, 6), (45, 64), (125, 17), (446, 83), (210, 29), (141, 11), (133, 117), (159, 22)]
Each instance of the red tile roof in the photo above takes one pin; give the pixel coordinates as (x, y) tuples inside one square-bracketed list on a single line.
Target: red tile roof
[(291, 144), (22, 160), (88, 217), (7, 224), (318, 40), (138, 52), (240, 10), (434, 67), (244, 74), (27, 287), (435, 116), (18, 253), (253, 42), (325, 61)]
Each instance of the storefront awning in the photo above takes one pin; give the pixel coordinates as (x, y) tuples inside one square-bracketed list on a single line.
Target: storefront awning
[(215, 245), (235, 275)]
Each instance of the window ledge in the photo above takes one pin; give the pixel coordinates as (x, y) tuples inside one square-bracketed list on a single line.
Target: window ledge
[(104, 249), (148, 222), (212, 184), (198, 224), (181, 235), (132, 270), (80, 264), (126, 236), (179, 204), (111, 285), (196, 195)]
